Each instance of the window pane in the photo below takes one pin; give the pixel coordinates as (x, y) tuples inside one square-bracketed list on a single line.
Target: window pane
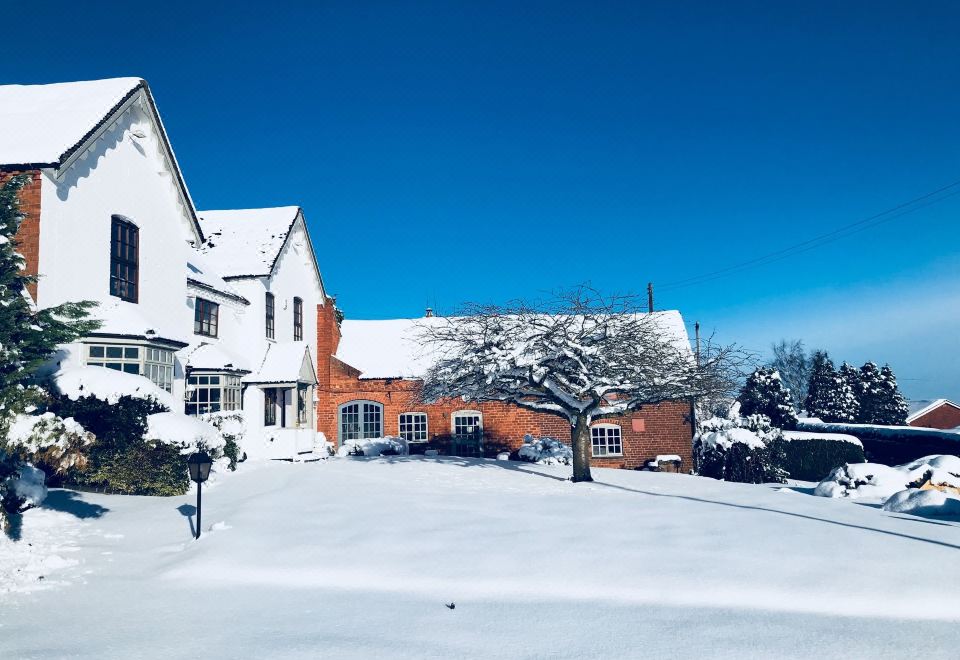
[(96, 351), (131, 352), (114, 351)]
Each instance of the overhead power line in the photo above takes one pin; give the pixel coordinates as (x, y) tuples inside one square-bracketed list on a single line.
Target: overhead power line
[(900, 210)]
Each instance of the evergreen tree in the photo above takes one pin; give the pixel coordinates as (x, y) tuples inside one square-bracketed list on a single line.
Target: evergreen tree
[(764, 394), (830, 396), (880, 398), (28, 337)]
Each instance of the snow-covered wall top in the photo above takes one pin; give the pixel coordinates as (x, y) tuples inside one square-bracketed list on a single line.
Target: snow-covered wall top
[(245, 242), (40, 123), (389, 348)]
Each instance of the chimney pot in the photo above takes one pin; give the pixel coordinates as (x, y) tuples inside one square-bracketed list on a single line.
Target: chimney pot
[(429, 312)]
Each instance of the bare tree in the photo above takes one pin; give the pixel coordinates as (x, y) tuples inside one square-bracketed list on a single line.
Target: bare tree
[(791, 360), (583, 356)]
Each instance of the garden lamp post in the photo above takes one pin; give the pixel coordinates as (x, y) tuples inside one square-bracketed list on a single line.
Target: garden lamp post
[(199, 465)]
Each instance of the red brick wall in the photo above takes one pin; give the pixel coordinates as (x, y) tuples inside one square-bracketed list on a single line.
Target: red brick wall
[(28, 237), (666, 427), (945, 416)]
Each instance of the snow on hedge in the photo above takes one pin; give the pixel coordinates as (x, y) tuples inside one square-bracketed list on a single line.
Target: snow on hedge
[(877, 481), (724, 433), (817, 435), (188, 433), (374, 447), (108, 385), (545, 451)]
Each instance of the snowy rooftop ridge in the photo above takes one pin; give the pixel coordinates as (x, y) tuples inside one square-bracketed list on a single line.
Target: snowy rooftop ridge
[(246, 242), (920, 407), (389, 348), (42, 124)]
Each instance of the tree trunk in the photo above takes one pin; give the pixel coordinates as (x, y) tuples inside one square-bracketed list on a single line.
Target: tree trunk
[(580, 439)]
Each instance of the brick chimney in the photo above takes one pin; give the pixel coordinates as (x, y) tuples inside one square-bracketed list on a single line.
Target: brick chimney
[(328, 339)]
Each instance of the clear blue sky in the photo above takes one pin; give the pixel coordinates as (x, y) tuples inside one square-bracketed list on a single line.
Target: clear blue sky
[(456, 151)]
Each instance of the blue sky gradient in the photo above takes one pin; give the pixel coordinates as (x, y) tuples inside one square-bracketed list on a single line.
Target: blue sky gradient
[(449, 151)]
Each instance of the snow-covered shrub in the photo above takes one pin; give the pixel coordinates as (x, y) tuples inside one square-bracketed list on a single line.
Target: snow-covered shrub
[(118, 409), (743, 449), (878, 481), (811, 456), (927, 503), (545, 451), (187, 434), (386, 446), (765, 394), (232, 427), (46, 439)]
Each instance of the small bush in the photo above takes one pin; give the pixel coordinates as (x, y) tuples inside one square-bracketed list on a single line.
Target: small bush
[(743, 450), (120, 460), (813, 460), (138, 469)]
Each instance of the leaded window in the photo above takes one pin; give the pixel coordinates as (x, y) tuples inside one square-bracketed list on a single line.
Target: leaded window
[(124, 259)]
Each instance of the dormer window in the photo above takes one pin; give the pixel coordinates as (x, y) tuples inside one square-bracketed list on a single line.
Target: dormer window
[(124, 259), (206, 316), (270, 316), (297, 319)]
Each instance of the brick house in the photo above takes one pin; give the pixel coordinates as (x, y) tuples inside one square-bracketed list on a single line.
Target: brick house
[(935, 414), (371, 389)]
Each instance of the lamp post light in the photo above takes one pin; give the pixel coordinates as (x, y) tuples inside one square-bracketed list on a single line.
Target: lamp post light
[(199, 465)]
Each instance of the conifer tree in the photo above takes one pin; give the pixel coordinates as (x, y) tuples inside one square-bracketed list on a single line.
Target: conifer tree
[(28, 336), (765, 394), (830, 396), (880, 399)]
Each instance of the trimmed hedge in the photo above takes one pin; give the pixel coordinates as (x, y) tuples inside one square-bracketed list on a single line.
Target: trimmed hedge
[(139, 469), (752, 465), (813, 460)]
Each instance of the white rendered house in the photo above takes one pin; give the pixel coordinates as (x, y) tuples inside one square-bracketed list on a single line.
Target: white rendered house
[(183, 302)]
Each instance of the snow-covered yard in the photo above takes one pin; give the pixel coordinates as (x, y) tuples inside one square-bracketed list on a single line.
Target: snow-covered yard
[(357, 557)]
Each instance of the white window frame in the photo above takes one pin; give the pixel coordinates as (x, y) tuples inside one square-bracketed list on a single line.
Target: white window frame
[(606, 434), (418, 419), (227, 386), (465, 413), (362, 432), (152, 362)]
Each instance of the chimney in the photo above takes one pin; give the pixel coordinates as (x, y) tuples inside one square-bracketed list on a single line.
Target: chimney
[(429, 312)]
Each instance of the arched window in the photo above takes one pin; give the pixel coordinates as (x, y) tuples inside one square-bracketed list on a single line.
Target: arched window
[(606, 440), (361, 419)]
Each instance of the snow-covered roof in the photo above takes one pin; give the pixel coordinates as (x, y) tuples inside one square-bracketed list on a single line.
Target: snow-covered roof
[(213, 356), (200, 273), (41, 124), (921, 407), (284, 362), (246, 242), (130, 320), (389, 348)]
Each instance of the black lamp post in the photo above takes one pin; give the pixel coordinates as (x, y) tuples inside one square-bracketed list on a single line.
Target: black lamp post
[(199, 465)]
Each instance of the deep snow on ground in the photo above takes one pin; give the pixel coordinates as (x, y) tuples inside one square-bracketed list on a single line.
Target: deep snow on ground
[(356, 557)]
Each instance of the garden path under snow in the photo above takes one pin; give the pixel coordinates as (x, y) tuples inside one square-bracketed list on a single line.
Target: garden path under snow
[(355, 558)]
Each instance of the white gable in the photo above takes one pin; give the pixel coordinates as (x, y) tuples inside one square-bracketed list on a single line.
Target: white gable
[(40, 123), (245, 242)]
